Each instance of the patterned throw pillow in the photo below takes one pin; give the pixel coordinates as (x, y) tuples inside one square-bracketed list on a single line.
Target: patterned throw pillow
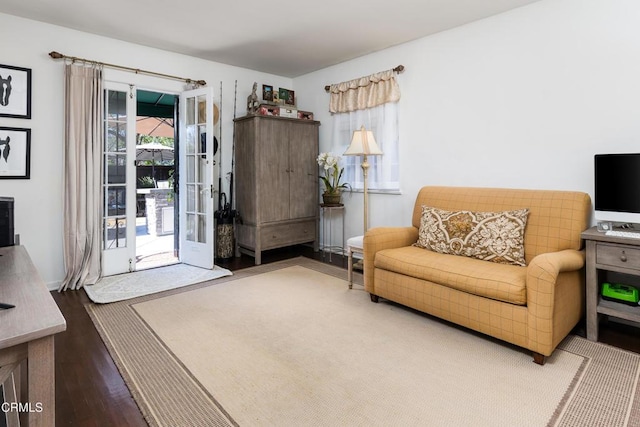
[(489, 236)]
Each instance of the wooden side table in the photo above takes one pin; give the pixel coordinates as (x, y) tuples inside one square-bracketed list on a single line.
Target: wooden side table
[(615, 260), (27, 336)]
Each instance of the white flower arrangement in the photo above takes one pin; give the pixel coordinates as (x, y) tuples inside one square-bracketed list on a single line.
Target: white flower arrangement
[(332, 173)]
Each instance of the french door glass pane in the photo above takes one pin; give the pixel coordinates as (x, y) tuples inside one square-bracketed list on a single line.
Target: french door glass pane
[(116, 169), (116, 138), (191, 108), (202, 109), (202, 199), (116, 201), (191, 198), (202, 228), (191, 172), (116, 106), (191, 140), (115, 177), (195, 169), (191, 227), (115, 232)]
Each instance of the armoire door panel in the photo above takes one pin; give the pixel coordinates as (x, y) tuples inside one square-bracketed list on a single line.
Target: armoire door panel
[(273, 170), (304, 171)]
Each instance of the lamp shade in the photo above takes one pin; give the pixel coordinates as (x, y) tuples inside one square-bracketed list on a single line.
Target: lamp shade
[(363, 143)]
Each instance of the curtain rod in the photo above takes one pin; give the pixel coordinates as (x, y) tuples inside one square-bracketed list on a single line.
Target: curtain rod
[(57, 55), (398, 69)]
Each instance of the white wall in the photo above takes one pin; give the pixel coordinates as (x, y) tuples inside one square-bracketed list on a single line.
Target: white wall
[(26, 43), (523, 100)]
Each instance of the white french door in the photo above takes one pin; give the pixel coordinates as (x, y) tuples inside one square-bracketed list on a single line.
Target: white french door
[(119, 180), (196, 177)]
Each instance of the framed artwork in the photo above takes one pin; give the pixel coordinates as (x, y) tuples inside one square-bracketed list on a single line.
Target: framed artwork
[(15, 153), (15, 92), (287, 96), (267, 93)]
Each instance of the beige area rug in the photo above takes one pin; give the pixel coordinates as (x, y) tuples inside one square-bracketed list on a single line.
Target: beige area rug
[(146, 282), (288, 344)]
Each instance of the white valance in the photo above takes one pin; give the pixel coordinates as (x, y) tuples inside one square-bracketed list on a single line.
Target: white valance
[(364, 92)]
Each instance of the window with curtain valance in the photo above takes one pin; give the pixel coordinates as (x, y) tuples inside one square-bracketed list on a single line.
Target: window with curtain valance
[(372, 102)]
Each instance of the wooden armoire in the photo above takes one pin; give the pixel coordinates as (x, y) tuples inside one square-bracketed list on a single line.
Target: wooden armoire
[(276, 183)]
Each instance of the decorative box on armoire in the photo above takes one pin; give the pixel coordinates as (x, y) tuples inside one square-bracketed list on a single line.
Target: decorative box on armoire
[(276, 182)]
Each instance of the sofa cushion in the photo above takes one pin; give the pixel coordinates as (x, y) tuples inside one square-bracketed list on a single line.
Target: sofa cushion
[(490, 236), (501, 282)]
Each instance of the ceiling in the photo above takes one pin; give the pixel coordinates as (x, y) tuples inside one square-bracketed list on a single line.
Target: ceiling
[(283, 37)]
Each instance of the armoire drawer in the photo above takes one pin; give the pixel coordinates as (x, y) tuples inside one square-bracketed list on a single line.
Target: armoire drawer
[(274, 236)]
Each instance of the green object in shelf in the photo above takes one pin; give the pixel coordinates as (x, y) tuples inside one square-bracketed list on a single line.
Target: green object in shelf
[(620, 293)]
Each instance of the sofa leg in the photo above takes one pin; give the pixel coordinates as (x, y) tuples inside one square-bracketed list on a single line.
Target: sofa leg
[(538, 358), (374, 298)]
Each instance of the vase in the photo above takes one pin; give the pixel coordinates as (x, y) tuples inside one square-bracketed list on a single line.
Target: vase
[(332, 199)]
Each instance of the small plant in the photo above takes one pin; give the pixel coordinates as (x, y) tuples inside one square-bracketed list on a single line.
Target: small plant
[(332, 173), (146, 182)]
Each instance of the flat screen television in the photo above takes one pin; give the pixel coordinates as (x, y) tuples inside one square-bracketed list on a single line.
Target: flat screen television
[(617, 188)]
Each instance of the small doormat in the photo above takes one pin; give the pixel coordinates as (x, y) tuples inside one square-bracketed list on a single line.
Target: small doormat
[(132, 285)]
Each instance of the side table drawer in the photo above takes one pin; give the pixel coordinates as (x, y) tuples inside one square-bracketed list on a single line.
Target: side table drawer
[(618, 256)]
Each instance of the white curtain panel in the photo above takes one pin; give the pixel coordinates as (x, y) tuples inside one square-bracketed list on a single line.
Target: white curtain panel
[(82, 175), (384, 171)]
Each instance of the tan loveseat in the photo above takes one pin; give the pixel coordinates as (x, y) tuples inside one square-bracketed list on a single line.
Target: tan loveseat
[(534, 306)]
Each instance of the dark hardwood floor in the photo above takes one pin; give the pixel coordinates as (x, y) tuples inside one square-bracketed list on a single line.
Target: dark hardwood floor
[(91, 392)]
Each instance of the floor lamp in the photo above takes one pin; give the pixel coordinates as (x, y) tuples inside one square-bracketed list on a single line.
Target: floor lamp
[(364, 144)]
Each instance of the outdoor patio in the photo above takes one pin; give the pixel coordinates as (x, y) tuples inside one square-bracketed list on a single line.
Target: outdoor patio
[(152, 250)]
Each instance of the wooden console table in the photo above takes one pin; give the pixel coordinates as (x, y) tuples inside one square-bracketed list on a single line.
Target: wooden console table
[(613, 259), (27, 332)]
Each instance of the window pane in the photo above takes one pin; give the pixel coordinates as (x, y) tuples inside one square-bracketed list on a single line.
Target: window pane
[(384, 171)]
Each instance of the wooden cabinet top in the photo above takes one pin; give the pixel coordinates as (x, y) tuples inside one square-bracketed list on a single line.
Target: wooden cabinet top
[(600, 236), (35, 314), (289, 119)]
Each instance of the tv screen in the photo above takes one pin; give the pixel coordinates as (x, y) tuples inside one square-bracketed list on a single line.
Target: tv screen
[(617, 186)]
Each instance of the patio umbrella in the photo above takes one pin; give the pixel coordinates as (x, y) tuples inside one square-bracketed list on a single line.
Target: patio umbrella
[(155, 126), (154, 152)]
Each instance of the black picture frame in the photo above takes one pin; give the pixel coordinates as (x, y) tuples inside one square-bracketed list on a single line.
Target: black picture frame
[(15, 92), (15, 153), (267, 93), (287, 96)]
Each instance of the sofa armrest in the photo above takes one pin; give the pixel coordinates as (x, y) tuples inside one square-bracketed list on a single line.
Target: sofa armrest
[(555, 296), (379, 238)]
